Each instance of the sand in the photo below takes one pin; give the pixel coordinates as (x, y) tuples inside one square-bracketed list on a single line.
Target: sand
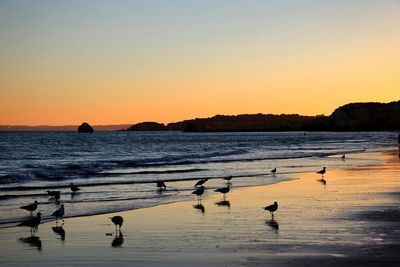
[(352, 220)]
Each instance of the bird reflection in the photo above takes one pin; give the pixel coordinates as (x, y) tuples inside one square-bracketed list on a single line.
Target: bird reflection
[(322, 181), (34, 241), (59, 230), (200, 207), (118, 240), (225, 203), (273, 224), (74, 194)]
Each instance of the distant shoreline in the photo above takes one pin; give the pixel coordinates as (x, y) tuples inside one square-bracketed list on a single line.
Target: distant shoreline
[(353, 117)]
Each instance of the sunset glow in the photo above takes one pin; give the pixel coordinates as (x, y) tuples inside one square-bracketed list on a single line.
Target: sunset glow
[(112, 62)]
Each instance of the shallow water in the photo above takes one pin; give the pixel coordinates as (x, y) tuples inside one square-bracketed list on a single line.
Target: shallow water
[(117, 170)]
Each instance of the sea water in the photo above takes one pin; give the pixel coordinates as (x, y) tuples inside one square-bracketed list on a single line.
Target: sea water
[(118, 170)]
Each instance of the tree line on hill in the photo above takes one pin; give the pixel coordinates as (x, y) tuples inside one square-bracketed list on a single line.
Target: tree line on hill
[(350, 117)]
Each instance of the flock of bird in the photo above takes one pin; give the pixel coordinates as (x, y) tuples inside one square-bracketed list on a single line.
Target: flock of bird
[(34, 222)]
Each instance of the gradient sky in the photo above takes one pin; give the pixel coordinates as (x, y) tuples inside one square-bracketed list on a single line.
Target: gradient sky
[(111, 62)]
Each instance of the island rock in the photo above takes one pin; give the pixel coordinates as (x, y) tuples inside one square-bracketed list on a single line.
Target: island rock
[(85, 128)]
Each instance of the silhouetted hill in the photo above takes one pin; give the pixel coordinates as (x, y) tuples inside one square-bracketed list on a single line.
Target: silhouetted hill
[(350, 117), (366, 117), (147, 126), (247, 122)]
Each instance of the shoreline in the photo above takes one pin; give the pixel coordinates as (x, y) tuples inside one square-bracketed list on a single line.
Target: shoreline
[(338, 226), (288, 177)]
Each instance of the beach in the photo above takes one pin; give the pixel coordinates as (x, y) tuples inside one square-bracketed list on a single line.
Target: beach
[(351, 220)]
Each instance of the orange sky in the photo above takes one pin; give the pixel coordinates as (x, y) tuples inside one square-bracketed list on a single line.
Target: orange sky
[(112, 63)]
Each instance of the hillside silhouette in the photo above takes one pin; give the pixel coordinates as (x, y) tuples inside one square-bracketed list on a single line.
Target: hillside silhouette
[(369, 116)]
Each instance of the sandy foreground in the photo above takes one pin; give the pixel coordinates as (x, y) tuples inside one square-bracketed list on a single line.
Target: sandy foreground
[(352, 220)]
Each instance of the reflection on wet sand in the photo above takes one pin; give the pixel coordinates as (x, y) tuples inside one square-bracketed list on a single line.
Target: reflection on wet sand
[(322, 181), (59, 231), (200, 207), (118, 240), (74, 194), (34, 241), (225, 203), (273, 224)]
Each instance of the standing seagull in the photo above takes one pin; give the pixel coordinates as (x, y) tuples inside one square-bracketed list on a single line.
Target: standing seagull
[(118, 221), (161, 185), (199, 191), (74, 188), (272, 208), (30, 207), (223, 190), (322, 172), (343, 156), (201, 182), (273, 171), (59, 213), (228, 178)]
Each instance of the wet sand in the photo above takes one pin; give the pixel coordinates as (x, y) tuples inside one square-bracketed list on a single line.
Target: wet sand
[(351, 220)]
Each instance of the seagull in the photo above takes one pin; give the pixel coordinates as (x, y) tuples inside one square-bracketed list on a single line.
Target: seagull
[(223, 190), (161, 185), (344, 156), (201, 182), (30, 207), (322, 172), (199, 191), (272, 208), (32, 222), (59, 213), (228, 178), (273, 171), (74, 188), (118, 221)]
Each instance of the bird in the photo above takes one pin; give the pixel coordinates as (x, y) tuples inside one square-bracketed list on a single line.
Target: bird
[(344, 156), (228, 178), (32, 222), (201, 182), (199, 191), (161, 185), (272, 208), (223, 190), (273, 171), (322, 172), (118, 221), (74, 188), (30, 207), (59, 213)]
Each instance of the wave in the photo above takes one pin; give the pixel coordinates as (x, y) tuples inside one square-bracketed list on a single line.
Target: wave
[(73, 171), (129, 182)]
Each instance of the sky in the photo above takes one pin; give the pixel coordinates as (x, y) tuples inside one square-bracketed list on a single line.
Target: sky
[(113, 62)]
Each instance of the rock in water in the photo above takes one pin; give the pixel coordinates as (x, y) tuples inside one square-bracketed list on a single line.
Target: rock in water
[(85, 128)]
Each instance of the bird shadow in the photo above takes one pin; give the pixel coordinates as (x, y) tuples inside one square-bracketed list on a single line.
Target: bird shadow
[(59, 230), (223, 203), (118, 239), (33, 241), (200, 207), (273, 224)]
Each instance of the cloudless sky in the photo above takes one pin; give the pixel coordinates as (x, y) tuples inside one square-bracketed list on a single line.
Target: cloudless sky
[(111, 62)]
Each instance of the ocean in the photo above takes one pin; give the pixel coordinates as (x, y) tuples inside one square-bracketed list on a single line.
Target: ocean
[(117, 171)]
